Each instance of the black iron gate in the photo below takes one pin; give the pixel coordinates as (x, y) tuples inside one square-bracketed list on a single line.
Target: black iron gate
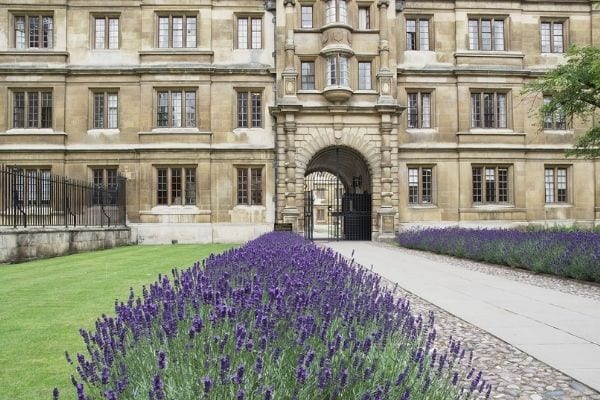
[(333, 214)]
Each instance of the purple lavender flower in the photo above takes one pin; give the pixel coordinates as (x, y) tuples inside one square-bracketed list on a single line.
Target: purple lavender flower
[(157, 388), (161, 359), (207, 383), (268, 393)]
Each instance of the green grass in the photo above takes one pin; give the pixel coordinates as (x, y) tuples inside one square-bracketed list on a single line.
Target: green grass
[(44, 303)]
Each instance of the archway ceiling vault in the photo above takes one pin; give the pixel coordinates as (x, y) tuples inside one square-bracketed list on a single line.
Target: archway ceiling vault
[(343, 162)]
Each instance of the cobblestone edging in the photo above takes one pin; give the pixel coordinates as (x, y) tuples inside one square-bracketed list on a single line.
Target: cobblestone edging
[(512, 373)]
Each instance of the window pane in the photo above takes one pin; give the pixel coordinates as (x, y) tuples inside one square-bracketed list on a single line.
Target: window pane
[(545, 37), (557, 37), (46, 186), (307, 17), (256, 110), (113, 111), (177, 32), (344, 79), (549, 185), (190, 33), (100, 33), (242, 186), (242, 33), (425, 110), (190, 109), (190, 186), (162, 109), (47, 32), (364, 75), (32, 109), (477, 190), (475, 110), (548, 117), (499, 35), (20, 32), (163, 32), (31, 186), (161, 187), (503, 185), (413, 185), (256, 179), (411, 34), (488, 110), (343, 10), (308, 75), (98, 180), (486, 35), (46, 110), (363, 18), (330, 11), (176, 186), (98, 110), (502, 111), (176, 109), (424, 35), (19, 110), (490, 185), (561, 184), (331, 71), (256, 33), (473, 34), (427, 186), (113, 33), (412, 110), (242, 109), (34, 31)]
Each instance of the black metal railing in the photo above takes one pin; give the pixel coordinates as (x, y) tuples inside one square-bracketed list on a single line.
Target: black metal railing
[(35, 197)]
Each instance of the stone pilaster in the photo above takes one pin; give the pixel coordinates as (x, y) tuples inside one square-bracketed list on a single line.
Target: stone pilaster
[(384, 75), (289, 74), (387, 211), (290, 212)]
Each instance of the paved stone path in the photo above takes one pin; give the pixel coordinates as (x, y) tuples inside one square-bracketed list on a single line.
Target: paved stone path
[(529, 318)]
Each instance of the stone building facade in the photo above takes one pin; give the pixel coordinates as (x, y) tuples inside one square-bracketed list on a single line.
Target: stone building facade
[(217, 111)]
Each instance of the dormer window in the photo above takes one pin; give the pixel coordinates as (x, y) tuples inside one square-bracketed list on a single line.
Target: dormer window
[(336, 11)]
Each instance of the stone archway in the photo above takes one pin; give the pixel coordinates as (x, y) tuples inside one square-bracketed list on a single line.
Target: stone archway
[(338, 195)]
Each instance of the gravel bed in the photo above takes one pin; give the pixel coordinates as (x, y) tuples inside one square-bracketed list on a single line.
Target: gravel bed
[(512, 373)]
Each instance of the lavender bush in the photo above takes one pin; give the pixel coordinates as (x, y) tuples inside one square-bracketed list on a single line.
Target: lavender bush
[(569, 254), (276, 319)]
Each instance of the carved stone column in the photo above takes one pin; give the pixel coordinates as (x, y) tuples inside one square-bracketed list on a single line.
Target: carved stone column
[(387, 211), (289, 74), (290, 212), (385, 75)]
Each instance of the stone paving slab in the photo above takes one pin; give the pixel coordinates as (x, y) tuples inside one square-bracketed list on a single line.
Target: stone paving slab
[(557, 324)]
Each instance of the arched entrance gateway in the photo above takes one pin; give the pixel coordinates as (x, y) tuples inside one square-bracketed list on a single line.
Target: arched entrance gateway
[(338, 196)]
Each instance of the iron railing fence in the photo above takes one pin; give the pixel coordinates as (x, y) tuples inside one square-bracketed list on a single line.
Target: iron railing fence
[(35, 197)]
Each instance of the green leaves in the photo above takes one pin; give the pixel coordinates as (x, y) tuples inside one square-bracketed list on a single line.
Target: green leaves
[(575, 90)]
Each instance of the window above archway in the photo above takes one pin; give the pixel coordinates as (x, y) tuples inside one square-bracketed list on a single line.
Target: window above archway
[(336, 11), (337, 71)]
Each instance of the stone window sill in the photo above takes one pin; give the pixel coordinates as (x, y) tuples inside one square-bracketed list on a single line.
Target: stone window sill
[(421, 130), (31, 131), (175, 210), (558, 131), (107, 132), (189, 131), (558, 205), (422, 206)]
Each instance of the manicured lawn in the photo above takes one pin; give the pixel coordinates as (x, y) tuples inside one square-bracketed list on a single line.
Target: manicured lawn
[(44, 303)]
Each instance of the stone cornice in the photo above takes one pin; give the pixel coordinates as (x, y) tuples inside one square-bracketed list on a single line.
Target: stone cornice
[(136, 70)]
